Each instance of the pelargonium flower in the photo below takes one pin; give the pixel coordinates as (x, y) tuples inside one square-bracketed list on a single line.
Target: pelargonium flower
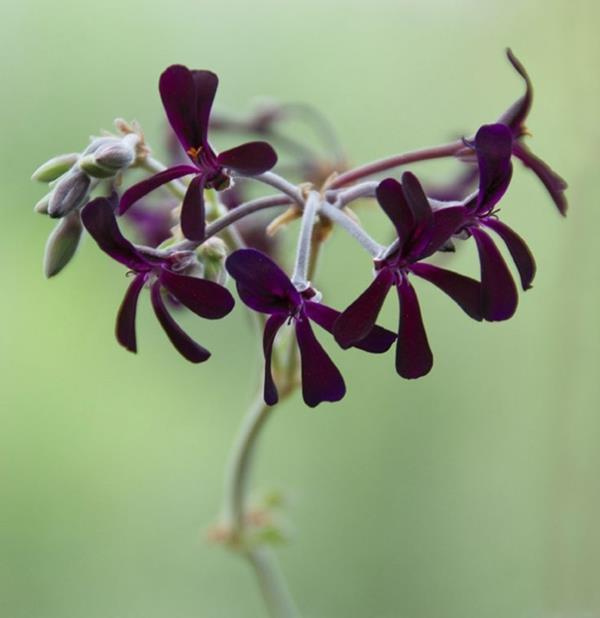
[(205, 298), (265, 288), (493, 145), (515, 118), (421, 232), (187, 97)]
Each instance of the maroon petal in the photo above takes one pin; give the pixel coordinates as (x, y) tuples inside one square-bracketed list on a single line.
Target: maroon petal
[(183, 343), (272, 326), (499, 296), (133, 194), (205, 298), (554, 184), (417, 200), (358, 320), (321, 379), (446, 222), (391, 199), (99, 220), (413, 354), (249, 159), (493, 144), (125, 327), (379, 340), (193, 217), (520, 252), (187, 97), (516, 114), (262, 285), (466, 292)]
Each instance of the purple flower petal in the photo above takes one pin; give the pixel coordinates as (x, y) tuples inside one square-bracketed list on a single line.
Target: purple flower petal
[(272, 326), (466, 292), (205, 298), (413, 354), (446, 222), (358, 320), (391, 199), (493, 144), (520, 252), (417, 200), (499, 296), (516, 114), (262, 285), (183, 343), (187, 97), (193, 222), (379, 340), (555, 185), (249, 159), (137, 192), (321, 379), (125, 327), (99, 220)]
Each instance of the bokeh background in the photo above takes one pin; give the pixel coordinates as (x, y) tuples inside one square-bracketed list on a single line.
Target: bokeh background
[(470, 493)]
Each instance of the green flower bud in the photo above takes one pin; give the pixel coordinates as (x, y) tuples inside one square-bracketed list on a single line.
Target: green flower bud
[(118, 155), (42, 205), (62, 244), (69, 193), (55, 167), (213, 253), (92, 168)]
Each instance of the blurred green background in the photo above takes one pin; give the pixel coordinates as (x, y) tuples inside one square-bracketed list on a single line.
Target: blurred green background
[(471, 493)]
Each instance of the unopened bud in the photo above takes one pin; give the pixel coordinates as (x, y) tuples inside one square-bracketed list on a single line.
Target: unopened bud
[(62, 244), (42, 205), (69, 193), (119, 155), (213, 253), (92, 168), (55, 167)]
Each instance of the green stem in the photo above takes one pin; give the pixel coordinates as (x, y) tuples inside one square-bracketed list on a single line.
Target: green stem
[(271, 581)]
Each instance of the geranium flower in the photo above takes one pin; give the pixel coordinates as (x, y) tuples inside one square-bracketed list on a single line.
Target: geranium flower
[(265, 288), (421, 232), (187, 97), (205, 298)]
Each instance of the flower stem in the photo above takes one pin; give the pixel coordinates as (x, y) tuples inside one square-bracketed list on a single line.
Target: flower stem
[(299, 277), (435, 152), (272, 584)]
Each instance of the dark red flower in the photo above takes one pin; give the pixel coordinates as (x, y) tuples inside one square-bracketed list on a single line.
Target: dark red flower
[(187, 97), (421, 232), (205, 298), (515, 118), (264, 287)]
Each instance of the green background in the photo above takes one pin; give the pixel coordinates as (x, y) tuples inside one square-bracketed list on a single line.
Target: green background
[(471, 493)]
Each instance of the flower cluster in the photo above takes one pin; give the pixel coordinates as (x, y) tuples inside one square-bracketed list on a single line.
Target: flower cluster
[(189, 249)]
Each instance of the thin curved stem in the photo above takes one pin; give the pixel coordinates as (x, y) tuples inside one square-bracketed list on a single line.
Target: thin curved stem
[(376, 167), (273, 586), (281, 184), (338, 216), (303, 250)]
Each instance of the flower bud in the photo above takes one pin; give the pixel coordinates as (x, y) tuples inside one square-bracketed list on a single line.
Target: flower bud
[(42, 205), (91, 167), (62, 244), (213, 253), (70, 192), (118, 155), (55, 167)]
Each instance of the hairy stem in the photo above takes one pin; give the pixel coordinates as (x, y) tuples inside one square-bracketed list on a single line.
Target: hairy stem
[(272, 584), (343, 220), (376, 167), (303, 250)]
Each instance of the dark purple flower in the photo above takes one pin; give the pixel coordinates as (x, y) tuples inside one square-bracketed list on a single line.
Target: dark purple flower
[(421, 232), (515, 118), (493, 145), (205, 298), (187, 97), (264, 287)]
